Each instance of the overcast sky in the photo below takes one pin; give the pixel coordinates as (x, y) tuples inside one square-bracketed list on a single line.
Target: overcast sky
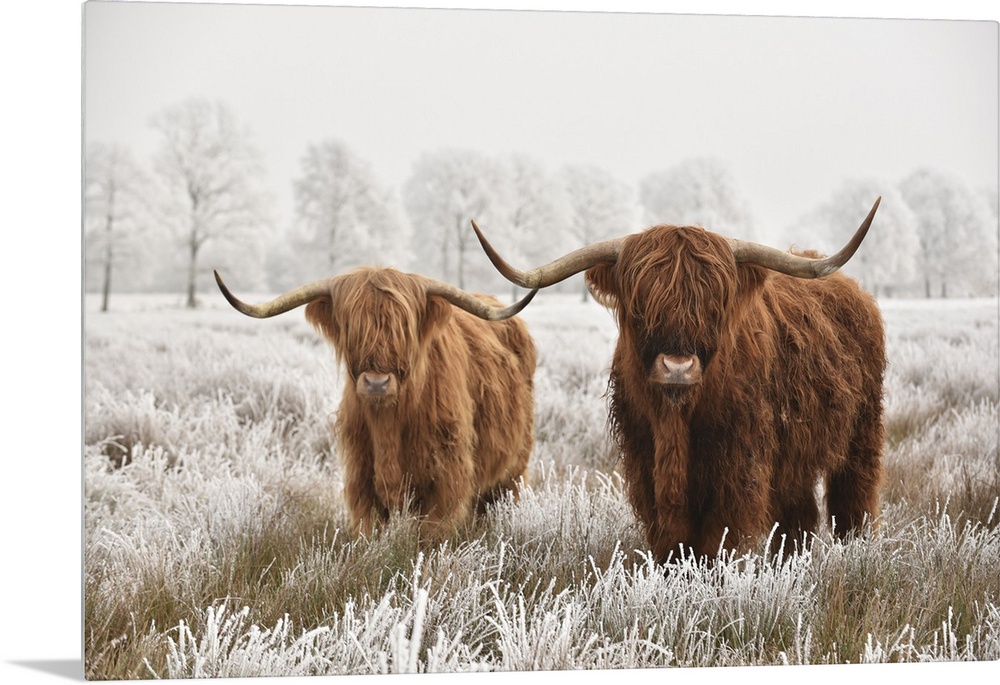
[(793, 105)]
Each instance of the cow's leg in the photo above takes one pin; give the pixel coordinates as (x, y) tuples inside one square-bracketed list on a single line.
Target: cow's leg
[(365, 509), (668, 477), (519, 470), (852, 498), (445, 507), (511, 485), (638, 470), (714, 537), (447, 497), (364, 506), (852, 490), (797, 514)]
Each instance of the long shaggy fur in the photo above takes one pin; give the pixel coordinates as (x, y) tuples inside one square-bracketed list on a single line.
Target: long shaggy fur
[(459, 430), (791, 393)]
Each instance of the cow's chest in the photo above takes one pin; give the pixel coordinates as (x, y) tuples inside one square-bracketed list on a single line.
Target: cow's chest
[(406, 461), (672, 447)]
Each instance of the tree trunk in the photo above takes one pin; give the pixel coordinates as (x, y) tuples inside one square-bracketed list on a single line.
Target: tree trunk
[(194, 244), (106, 289), (927, 287), (444, 260), (460, 252), (192, 300), (108, 256)]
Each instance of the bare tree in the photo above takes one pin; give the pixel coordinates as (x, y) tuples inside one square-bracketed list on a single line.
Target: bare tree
[(115, 196), (346, 218), (537, 213), (887, 261), (700, 192), (600, 205), (447, 189), (209, 172), (957, 231)]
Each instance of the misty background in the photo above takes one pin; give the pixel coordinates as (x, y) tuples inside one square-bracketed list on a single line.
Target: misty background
[(280, 144)]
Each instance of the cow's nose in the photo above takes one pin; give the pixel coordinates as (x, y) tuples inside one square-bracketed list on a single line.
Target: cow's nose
[(676, 369), (376, 383), (677, 366), (370, 383)]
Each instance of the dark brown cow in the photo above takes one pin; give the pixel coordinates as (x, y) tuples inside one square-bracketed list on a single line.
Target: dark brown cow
[(742, 375), (438, 411)]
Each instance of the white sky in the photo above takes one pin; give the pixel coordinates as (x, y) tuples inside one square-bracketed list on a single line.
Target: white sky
[(793, 105)]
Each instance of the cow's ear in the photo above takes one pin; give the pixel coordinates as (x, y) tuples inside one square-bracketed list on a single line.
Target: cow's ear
[(320, 314), (437, 313), (602, 282)]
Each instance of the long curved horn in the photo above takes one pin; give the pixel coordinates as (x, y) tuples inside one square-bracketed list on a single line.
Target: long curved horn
[(473, 304), (279, 305), (794, 265), (555, 271), (316, 289)]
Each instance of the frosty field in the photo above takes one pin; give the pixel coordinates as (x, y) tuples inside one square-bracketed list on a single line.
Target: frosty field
[(215, 540)]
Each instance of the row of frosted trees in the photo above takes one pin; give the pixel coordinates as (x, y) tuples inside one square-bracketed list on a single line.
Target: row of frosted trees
[(200, 205)]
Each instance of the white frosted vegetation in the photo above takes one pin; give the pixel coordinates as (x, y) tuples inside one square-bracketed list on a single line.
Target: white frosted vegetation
[(216, 545), (942, 411)]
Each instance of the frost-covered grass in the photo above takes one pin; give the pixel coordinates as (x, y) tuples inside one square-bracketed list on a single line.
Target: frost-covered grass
[(942, 427), (215, 543)]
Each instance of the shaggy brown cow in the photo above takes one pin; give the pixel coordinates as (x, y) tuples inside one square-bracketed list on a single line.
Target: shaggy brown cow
[(438, 411), (735, 385)]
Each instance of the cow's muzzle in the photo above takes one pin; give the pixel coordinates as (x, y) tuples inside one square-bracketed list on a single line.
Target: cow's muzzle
[(677, 371), (377, 385)]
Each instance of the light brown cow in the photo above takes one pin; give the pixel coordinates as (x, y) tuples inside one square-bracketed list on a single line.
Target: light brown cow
[(438, 411)]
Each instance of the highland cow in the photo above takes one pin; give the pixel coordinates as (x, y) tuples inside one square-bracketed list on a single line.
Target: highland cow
[(437, 414), (741, 377)]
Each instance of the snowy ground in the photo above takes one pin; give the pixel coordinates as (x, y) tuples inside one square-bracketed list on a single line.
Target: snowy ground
[(218, 548)]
